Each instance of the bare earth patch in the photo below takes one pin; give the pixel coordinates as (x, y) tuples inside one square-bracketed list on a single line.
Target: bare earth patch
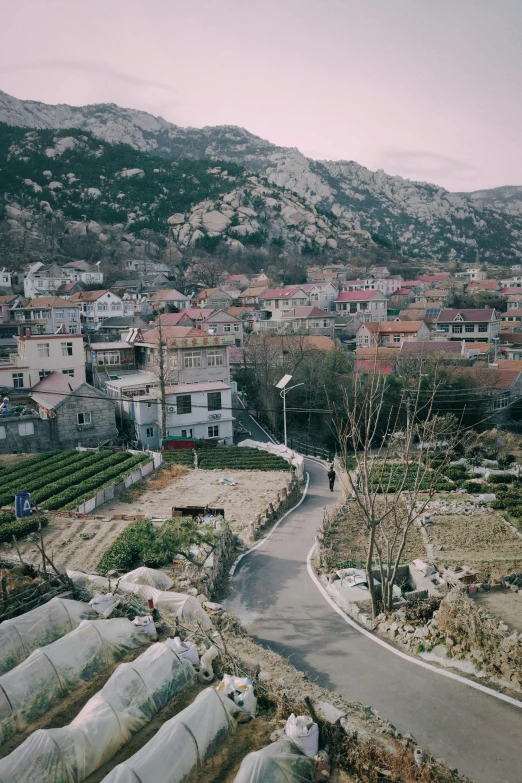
[(481, 540), (506, 606)]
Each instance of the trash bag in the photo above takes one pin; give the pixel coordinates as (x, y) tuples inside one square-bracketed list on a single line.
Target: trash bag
[(281, 762), (129, 700), (146, 625), (186, 650), (101, 602), (242, 690), (304, 733)]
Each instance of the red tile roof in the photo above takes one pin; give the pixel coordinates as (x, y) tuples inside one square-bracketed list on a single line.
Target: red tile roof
[(358, 296), (87, 296), (482, 314), (308, 312), (434, 278), (281, 293), (169, 332)]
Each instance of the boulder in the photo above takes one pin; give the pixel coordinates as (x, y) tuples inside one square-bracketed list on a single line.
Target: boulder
[(195, 236), (93, 192), (331, 243), (103, 237), (132, 173), (247, 211), (55, 185), (215, 221), (176, 219)]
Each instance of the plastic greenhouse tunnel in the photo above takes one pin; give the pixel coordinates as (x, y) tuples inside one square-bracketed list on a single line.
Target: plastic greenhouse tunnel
[(43, 625), (182, 744), (51, 672), (281, 762), (129, 700)]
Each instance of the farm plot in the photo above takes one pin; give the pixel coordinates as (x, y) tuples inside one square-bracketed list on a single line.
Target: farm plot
[(62, 480), (227, 458)]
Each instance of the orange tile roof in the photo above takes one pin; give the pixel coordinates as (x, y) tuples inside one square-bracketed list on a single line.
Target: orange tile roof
[(170, 332), (87, 296)]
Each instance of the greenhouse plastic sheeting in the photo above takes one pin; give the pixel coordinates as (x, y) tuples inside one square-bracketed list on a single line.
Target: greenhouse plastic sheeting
[(129, 700), (182, 744), (149, 576), (173, 605), (51, 672), (281, 762), (43, 625), (90, 581)]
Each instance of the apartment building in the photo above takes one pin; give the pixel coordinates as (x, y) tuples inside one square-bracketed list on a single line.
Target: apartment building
[(97, 306), (43, 280), (47, 315), (368, 305), (278, 301), (38, 356), (472, 325)]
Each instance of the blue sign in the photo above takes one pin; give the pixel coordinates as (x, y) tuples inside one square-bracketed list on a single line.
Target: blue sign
[(22, 504)]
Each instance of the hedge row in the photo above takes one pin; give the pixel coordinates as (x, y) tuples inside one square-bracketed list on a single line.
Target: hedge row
[(390, 479), (82, 480), (232, 458), (21, 527), (107, 477)]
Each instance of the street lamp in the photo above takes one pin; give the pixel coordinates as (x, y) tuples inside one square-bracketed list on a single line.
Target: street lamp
[(284, 389)]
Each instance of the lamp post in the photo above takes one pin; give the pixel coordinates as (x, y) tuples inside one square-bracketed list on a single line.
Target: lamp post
[(284, 389)]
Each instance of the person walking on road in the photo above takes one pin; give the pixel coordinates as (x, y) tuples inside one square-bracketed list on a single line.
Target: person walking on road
[(331, 477)]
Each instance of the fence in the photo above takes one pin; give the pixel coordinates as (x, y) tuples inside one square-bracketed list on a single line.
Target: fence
[(306, 449), (112, 491)]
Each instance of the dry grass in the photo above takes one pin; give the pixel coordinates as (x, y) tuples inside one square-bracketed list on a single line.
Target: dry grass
[(160, 479)]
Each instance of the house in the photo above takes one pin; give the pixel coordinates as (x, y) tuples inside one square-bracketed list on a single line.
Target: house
[(511, 282), (77, 414), (511, 316), (237, 281), (379, 271), (148, 267), (113, 356), (310, 320), (322, 295), (471, 275), (401, 298), (439, 277), (43, 280), (387, 333), (165, 298), (371, 305), (444, 351), (7, 303), (278, 301), (39, 356), (502, 385), (6, 280), (216, 298), (223, 322), (97, 306), (191, 316), (473, 325), (113, 328), (190, 355), (47, 315), (250, 296), (483, 285)]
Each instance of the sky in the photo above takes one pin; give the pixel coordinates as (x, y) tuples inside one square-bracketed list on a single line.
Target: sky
[(427, 89)]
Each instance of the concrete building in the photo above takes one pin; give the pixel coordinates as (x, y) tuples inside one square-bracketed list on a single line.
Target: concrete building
[(97, 306), (37, 357), (322, 295), (309, 320), (277, 301), (43, 280), (47, 315), (165, 298), (472, 325), (391, 333), (369, 305)]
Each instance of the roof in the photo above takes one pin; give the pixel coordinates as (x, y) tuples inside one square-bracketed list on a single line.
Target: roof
[(432, 347), (47, 301), (389, 352), (358, 296), (480, 314), (123, 320), (412, 315), (236, 278), (379, 366), (138, 378), (371, 326), (185, 388), (478, 347), (512, 290), (282, 293), (512, 311), (170, 332), (204, 293), (387, 327), (66, 287), (42, 337), (488, 285), (434, 278), (7, 298), (239, 311), (487, 377), (306, 342), (510, 364), (513, 298), (54, 389), (402, 292), (117, 346), (168, 295), (253, 291), (192, 313), (308, 312), (511, 337), (88, 296)]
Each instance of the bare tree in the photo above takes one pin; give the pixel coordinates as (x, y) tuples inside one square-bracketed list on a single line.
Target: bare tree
[(394, 475)]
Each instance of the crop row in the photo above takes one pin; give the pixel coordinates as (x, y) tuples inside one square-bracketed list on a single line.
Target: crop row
[(21, 467), (72, 497), (20, 483), (21, 527), (73, 480), (231, 458), (30, 484)]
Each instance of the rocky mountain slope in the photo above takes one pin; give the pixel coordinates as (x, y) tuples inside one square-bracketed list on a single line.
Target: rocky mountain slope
[(416, 218), (504, 199)]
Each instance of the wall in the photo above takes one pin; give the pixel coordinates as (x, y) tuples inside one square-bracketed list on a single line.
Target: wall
[(11, 441), (64, 428)]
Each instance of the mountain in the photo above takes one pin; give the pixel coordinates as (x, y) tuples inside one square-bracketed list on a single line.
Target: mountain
[(505, 199), (416, 219)]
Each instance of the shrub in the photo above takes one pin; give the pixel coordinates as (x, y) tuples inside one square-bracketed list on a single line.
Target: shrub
[(501, 478), (472, 487), (21, 527), (506, 460), (456, 473), (128, 546)]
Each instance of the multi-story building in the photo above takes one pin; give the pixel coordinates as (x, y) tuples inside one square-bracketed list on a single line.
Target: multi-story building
[(386, 285), (391, 333), (165, 298), (47, 315), (322, 295), (97, 306), (480, 325), (38, 356), (308, 320), (368, 305), (278, 301), (43, 280)]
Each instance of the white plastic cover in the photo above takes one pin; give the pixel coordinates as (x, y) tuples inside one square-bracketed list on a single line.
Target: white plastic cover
[(149, 576), (130, 699), (182, 744), (281, 762), (43, 625), (187, 650), (185, 608), (51, 672)]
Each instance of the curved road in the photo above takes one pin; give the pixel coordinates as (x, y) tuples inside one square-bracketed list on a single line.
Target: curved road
[(282, 608)]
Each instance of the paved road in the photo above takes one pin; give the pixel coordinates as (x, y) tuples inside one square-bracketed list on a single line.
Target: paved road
[(256, 433), (278, 603)]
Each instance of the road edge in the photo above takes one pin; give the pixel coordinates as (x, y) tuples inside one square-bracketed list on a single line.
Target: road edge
[(423, 664)]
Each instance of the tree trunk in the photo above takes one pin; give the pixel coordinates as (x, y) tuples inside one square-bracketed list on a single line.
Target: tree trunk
[(369, 574)]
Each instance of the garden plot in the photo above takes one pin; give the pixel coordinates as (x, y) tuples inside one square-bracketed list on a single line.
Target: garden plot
[(243, 501), (479, 538), (506, 606)]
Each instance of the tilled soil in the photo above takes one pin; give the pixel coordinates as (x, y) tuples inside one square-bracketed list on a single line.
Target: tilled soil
[(507, 606)]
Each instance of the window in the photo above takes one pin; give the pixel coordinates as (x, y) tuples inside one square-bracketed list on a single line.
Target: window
[(103, 307), (26, 428), (444, 327), (325, 324), (67, 349), (60, 314), (353, 307), (43, 350), (192, 360), (483, 327), (457, 329), (213, 431), (149, 405), (18, 380), (396, 338), (469, 328), (236, 327), (5, 279), (115, 306), (227, 328), (364, 305), (214, 359), (186, 433), (150, 432), (70, 373), (73, 329), (108, 358), (43, 374), (84, 417), (214, 401), (184, 403), (72, 314)]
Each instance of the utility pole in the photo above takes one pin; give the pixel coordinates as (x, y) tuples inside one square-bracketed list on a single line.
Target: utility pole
[(162, 380)]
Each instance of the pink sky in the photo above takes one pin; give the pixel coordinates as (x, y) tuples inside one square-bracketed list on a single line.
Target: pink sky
[(428, 89)]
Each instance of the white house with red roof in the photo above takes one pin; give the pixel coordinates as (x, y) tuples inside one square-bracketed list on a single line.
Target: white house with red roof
[(368, 305), (278, 301), (321, 295), (473, 325)]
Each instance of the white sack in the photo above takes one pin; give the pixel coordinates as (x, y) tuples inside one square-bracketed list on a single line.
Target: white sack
[(129, 700), (101, 602), (43, 625), (179, 606), (186, 650), (304, 732), (243, 692)]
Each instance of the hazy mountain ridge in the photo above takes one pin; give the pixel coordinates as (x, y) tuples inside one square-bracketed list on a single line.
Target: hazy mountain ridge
[(421, 219), (507, 198)]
